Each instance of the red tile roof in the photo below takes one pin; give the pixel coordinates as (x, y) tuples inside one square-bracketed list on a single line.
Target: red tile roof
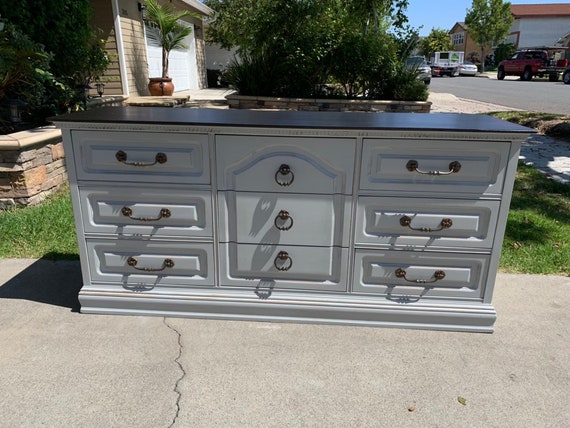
[(540, 10)]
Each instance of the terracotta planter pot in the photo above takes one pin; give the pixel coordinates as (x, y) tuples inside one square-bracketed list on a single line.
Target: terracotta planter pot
[(161, 86)]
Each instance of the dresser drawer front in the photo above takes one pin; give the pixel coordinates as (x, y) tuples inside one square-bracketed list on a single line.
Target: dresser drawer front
[(285, 219), (147, 211), (141, 157), (150, 264), (302, 267), (417, 275), (314, 165), (427, 166), (426, 223)]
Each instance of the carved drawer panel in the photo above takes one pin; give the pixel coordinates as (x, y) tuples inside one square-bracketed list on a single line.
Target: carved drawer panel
[(321, 268), (415, 166), (412, 276), (285, 164), (146, 211), (149, 264), (273, 218), (426, 223), (142, 157)]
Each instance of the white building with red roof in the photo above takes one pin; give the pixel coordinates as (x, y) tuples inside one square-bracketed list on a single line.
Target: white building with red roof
[(539, 24)]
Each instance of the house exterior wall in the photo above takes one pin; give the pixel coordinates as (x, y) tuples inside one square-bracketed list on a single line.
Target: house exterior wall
[(103, 21), (134, 46), (538, 31), (471, 49)]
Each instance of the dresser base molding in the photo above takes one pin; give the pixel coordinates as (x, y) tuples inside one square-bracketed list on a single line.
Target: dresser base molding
[(238, 305)]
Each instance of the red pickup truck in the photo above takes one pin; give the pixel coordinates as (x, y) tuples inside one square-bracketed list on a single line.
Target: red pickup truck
[(530, 63)]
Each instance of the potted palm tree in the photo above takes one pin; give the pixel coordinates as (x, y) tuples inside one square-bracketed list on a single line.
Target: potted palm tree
[(164, 27)]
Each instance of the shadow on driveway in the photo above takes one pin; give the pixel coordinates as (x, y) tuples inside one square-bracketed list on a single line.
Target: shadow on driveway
[(45, 281)]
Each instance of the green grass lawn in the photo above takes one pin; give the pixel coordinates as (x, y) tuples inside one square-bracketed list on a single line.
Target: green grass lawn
[(46, 230), (537, 238)]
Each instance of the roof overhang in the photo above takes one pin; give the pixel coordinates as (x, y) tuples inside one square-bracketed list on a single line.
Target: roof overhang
[(200, 7)]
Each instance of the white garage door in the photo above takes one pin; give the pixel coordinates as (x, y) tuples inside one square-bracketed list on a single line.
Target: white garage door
[(183, 66)]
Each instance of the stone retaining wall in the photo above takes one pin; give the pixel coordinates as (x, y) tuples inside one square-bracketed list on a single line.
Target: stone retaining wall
[(325, 104), (32, 165)]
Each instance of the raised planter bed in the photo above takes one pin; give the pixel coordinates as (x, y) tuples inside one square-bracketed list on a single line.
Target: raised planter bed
[(32, 165), (326, 104)]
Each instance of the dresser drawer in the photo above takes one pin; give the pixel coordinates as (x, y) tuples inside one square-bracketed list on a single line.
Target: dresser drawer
[(149, 264), (285, 164), (412, 276), (286, 219), (459, 167), (147, 211), (318, 268), (426, 223), (141, 157)]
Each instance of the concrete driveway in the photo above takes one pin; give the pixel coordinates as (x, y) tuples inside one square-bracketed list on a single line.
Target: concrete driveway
[(60, 368)]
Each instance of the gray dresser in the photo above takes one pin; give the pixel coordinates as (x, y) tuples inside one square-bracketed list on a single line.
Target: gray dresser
[(344, 218)]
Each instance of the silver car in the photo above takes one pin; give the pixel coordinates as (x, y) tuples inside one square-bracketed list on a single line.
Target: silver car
[(419, 64)]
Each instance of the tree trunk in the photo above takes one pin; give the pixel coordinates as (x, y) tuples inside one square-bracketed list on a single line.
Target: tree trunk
[(483, 60), (164, 63)]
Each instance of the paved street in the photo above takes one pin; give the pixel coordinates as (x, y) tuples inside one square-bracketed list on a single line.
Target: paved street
[(535, 95)]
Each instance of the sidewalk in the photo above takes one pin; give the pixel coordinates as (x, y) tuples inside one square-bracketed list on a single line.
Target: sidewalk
[(59, 368)]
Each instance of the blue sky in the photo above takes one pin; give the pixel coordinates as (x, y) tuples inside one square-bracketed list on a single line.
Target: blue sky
[(445, 13)]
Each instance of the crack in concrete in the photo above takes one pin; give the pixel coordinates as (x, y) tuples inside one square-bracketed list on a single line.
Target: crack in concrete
[(177, 361)]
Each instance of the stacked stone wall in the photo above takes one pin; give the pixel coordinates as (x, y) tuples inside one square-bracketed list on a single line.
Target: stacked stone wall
[(28, 174), (306, 104)]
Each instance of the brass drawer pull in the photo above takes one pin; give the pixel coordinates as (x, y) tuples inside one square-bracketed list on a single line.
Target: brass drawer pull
[(121, 156), (128, 212), (167, 263), (283, 220), (446, 223), (413, 166), (283, 261), (285, 171), (438, 274)]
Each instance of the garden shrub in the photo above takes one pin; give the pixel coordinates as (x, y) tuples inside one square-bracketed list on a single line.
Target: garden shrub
[(295, 49), (65, 54)]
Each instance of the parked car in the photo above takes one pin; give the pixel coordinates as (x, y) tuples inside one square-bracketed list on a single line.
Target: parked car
[(532, 62), (566, 76), (419, 64), (467, 69)]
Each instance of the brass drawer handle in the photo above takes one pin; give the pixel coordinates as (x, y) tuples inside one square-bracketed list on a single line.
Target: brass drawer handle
[(121, 156), (413, 166), (167, 263), (446, 223), (438, 275), (283, 220), (128, 212), (285, 171), (283, 261)]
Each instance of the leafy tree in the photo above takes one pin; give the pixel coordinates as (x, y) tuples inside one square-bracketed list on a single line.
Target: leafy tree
[(63, 30), (489, 22), (292, 48), (503, 51), (436, 41)]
